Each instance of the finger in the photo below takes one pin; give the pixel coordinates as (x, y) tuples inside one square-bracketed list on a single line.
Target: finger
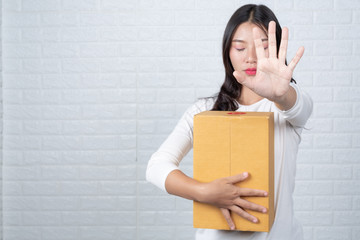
[(238, 178), (259, 48), (283, 44), (272, 39), (249, 205), (249, 192), (244, 214), (226, 214), (297, 58)]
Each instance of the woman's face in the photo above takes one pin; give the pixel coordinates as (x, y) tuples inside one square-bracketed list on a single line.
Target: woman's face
[(242, 51)]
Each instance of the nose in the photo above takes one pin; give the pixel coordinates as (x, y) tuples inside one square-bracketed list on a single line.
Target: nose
[(251, 55)]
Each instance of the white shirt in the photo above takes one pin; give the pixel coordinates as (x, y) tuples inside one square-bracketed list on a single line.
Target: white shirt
[(288, 126)]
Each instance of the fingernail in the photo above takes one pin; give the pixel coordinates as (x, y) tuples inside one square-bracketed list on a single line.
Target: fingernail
[(232, 227), (264, 210), (245, 174), (255, 220), (265, 194)]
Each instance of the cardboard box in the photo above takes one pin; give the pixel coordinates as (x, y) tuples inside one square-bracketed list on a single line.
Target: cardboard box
[(229, 143)]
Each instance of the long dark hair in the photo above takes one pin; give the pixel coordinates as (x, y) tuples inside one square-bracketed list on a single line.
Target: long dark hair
[(259, 15)]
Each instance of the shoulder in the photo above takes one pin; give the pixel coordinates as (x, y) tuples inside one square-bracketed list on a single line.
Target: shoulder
[(201, 105)]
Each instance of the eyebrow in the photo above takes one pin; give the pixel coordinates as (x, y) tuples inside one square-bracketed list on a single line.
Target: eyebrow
[(242, 41)]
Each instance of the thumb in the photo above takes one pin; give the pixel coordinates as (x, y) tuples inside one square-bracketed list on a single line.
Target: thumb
[(238, 177), (239, 76)]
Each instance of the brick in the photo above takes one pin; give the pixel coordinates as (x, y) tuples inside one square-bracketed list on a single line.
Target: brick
[(315, 218), (346, 32), (60, 50), (347, 187), (82, 5), (21, 173), (347, 125), (332, 141), (41, 66), (21, 19), (32, 218), (118, 33), (78, 34), (306, 188), (356, 203), (107, 232), (333, 232), (11, 218), (114, 5), (320, 125), (356, 140), (148, 233), (34, 188), (98, 19), (11, 188), (346, 4), (327, 172), (14, 5), (78, 218), (59, 203), (98, 173), (333, 17), (326, 203), (318, 4), (117, 218), (21, 203), (156, 203), (18, 232), (54, 232), (12, 66), (333, 48), (304, 172), (309, 32), (59, 20), (59, 173), (332, 78), (347, 218), (78, 188), (22, 50), (346, 156), (61, 142), (303, 203), (116, 188), (37, 97), (40, 5), (343, 94), (320, 94)]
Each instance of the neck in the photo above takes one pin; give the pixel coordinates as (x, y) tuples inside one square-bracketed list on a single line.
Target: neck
[(248, 97)]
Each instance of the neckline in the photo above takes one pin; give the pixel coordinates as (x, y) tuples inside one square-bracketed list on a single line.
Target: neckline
[(251, 105)]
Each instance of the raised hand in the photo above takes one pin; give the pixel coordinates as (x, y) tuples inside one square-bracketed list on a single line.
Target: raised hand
[(273, 76)]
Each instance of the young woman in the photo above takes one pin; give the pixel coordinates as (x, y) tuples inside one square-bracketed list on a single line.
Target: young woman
[(257, 78)]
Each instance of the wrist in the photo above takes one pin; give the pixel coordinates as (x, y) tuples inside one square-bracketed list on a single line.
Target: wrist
[(200, 192)]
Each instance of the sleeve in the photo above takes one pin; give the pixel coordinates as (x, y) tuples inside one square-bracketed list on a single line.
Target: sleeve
[(298, 115), (168, 157)]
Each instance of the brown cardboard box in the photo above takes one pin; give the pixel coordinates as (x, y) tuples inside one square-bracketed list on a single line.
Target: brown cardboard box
[(229, 143)]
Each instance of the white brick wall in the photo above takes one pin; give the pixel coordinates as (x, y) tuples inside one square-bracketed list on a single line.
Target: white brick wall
[(92, 88)]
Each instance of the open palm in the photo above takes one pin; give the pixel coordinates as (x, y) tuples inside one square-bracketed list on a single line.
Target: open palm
[(273, 76)]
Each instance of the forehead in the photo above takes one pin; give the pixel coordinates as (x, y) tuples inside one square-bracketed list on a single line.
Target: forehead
[(244, 31)]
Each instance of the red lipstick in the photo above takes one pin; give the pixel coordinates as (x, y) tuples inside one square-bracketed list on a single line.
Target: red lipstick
[(250, 71)]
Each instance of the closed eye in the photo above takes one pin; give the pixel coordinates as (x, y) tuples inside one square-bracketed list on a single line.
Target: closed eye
[(240, 49)]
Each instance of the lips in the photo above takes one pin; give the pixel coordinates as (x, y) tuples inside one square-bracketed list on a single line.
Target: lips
[(250, 71)]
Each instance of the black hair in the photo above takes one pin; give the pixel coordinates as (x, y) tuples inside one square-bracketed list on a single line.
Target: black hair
[(259, 15)]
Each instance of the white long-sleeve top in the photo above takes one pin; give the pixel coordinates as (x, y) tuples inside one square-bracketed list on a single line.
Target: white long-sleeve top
[(288, 126)]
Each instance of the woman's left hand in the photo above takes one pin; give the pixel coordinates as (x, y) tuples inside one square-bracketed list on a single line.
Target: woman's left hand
[(273, 76)]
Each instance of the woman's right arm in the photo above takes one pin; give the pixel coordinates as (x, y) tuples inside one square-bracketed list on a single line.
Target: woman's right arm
[(163, 171)]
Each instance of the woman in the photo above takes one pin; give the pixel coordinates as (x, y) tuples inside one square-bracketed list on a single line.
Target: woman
[(257, 78)]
